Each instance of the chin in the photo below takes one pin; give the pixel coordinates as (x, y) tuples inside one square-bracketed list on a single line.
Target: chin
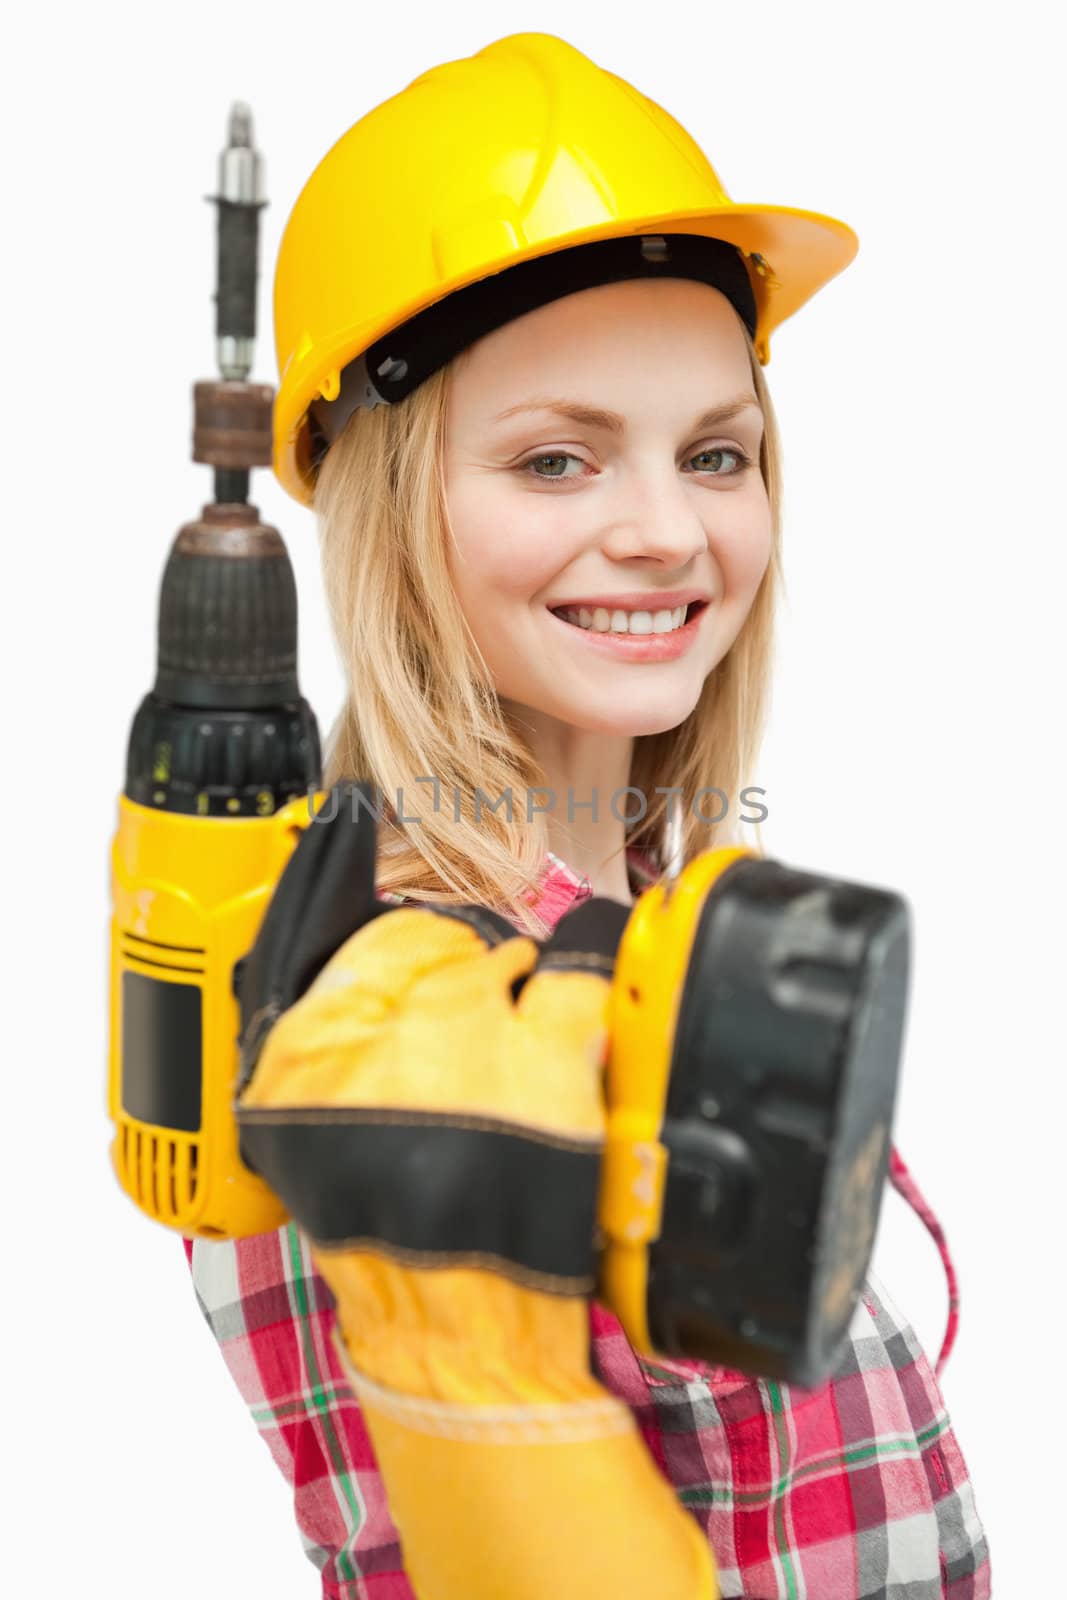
[(627, 721)]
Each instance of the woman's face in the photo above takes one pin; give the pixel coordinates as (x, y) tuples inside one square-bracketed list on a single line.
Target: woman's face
[(632, 501)]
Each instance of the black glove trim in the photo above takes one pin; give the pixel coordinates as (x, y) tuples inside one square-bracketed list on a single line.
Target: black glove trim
[(324, 894), (445, 1189), (585, 939)]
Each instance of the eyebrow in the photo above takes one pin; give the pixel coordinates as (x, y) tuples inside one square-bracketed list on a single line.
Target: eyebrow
[(612, 422)]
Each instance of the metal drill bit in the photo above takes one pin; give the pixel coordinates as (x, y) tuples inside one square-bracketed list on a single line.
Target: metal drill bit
[(239, 200)]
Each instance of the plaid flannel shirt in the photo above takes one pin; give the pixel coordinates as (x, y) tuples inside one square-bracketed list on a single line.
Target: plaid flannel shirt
[(855, 1491)]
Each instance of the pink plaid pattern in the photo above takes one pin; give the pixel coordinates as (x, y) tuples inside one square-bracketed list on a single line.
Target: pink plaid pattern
[(855, 1491)]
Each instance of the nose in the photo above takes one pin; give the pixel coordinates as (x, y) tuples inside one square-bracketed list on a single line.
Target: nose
[(656, 518)]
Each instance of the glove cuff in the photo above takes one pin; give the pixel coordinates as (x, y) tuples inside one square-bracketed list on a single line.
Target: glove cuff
[(529, 1500), (552, 1422)]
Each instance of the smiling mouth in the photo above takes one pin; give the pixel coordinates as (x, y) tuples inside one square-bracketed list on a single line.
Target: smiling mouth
[(571, 615)]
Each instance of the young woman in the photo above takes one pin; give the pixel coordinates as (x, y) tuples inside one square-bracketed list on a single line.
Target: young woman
[(521, 331)]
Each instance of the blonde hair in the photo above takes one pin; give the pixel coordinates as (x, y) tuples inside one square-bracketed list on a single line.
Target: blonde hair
[(420, 702)]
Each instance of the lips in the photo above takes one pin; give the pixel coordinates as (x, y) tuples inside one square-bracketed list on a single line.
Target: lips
[(639, 648)]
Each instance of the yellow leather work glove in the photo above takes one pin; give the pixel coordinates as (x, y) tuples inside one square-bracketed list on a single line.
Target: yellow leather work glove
[(439, 1141)]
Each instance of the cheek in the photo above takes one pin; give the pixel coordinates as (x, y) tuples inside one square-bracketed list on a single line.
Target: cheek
[(503, 546), (743, 550)]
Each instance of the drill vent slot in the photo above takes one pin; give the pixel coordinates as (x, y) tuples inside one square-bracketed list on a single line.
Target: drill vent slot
[(160, 1172)]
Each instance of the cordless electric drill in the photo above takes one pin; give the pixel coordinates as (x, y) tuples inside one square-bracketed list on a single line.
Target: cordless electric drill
[(764, 1007), (223, 760)]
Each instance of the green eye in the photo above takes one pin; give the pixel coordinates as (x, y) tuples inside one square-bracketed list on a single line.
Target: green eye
[(561, 459), (717, 455)]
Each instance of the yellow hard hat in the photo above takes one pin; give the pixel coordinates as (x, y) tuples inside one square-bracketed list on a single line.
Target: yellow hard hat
[(520, 152)]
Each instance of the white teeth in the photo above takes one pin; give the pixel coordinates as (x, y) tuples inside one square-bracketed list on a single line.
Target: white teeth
[(601, 620)]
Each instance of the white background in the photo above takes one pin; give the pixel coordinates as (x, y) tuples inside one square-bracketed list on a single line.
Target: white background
[(917, 737)]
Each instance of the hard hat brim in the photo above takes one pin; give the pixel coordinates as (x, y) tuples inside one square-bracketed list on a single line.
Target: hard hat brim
[(790, 255)]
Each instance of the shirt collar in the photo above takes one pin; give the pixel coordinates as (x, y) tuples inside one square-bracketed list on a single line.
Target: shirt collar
[(560, 886)]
